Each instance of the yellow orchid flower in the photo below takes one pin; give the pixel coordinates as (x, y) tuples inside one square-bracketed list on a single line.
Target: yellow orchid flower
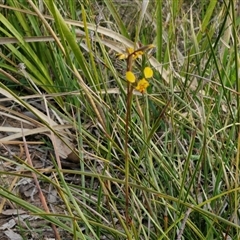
[(142, 85), (136, 54)]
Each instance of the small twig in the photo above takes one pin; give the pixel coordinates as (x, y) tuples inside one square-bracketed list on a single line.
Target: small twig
[(41, 196), (183, 224)]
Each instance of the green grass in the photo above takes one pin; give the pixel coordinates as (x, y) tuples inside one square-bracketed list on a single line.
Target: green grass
[(183, 146)]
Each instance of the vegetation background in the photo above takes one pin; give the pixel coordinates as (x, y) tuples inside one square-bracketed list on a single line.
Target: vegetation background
[(65, 171)]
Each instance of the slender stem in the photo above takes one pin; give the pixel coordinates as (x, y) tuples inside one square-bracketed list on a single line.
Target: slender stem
[(127, 159)]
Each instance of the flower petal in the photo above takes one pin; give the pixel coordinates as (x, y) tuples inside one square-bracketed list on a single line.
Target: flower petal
[(137, 54), (130, 77), (129, 50), (121, 56), (148, 72)]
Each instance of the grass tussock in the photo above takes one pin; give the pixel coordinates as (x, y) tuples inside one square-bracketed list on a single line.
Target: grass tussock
[(112, 157)]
